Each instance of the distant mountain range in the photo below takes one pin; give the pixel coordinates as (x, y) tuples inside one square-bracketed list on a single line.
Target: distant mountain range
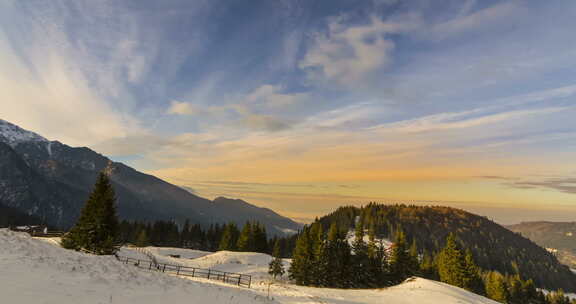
[(558, 237), (51, 181)]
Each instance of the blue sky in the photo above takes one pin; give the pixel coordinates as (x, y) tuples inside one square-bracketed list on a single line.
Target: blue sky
[(305, 105)]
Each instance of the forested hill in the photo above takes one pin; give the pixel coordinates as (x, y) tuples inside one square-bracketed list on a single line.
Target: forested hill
[(558, 236), (493, 246)]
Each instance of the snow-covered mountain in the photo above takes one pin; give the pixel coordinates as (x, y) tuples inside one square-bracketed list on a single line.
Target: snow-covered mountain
[(38, 271), (51, 181), (14, 135)]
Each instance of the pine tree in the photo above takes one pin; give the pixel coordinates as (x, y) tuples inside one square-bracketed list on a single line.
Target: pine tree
[(428, 268), (276, 267), (300, 269), (338, 259), (451, 264), (259, 237), (377, 267), (400, 261), (472, 280), (361, 260), (229, 238), (246, 239), (414, 261), (97, 229), (317, 246), (496, 287), (142, 240)]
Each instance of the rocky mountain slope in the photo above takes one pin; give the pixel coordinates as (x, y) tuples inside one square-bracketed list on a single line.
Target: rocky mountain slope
[(557, 237), (51, 181)]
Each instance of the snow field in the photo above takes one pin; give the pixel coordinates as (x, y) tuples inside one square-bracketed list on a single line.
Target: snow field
[(40, 272)]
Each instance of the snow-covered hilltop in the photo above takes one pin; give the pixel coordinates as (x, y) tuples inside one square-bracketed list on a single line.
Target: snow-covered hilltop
[(39, 271), (14, 135)]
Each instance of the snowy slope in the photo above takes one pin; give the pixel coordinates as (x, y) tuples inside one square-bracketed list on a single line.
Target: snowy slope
[(417, 291), (14, 135), (38, 271)]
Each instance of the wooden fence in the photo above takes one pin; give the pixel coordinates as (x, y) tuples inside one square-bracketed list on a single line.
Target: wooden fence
[(238, 279), (48, 234)]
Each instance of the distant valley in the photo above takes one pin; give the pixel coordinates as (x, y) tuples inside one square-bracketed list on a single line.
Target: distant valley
[(558, 237)]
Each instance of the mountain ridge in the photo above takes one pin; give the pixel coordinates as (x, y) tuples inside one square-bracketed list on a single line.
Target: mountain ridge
[(51, 180)]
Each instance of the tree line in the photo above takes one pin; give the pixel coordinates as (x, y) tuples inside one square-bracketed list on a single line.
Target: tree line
[(336, 261), (252, 237)]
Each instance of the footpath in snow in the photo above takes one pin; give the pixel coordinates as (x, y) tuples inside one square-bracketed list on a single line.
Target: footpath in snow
[(38, 271)]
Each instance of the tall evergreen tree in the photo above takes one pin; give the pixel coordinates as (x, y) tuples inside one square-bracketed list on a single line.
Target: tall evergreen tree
[(302, 260), (338, 259), (229, 237), (472, 279), (496, 287), (276, 267), (400, 261), (451, 263), (361, 259), (246, 239), (377, 261), (260, 239), (317, 247), (97, 229)]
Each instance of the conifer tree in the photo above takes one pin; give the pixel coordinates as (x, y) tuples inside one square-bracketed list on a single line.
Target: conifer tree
[(246, 239), (472, 279), (259, 238), (338, 259), (400, 259), (97, 229), (451, 264), (414, 261), (428, 268), (276, 267), (142, 240), (361, 260), (317, 247), (496, 287), (300, 269), (376, 268), (229, 238)]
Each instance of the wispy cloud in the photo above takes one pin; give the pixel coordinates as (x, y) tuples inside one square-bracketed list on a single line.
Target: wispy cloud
[(460, 120), (566, 184), (347, 53)]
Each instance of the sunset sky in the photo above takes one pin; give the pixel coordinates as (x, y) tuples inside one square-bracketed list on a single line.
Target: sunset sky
[(303, 106)]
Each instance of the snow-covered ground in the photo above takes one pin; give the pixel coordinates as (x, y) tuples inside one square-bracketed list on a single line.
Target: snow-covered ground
[(38, 271)]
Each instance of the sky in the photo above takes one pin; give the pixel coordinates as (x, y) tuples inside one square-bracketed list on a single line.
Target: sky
[(304, 106)]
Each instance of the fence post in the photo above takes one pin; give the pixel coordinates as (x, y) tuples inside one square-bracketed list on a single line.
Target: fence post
[(150, 266), (224, 278), (209, 273), (193, 272), (249, 281), (178, 270), (239, 278), (164, 268)]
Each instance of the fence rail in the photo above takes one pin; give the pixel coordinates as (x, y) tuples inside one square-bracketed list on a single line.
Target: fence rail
[(238, 279), (48, 234)]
